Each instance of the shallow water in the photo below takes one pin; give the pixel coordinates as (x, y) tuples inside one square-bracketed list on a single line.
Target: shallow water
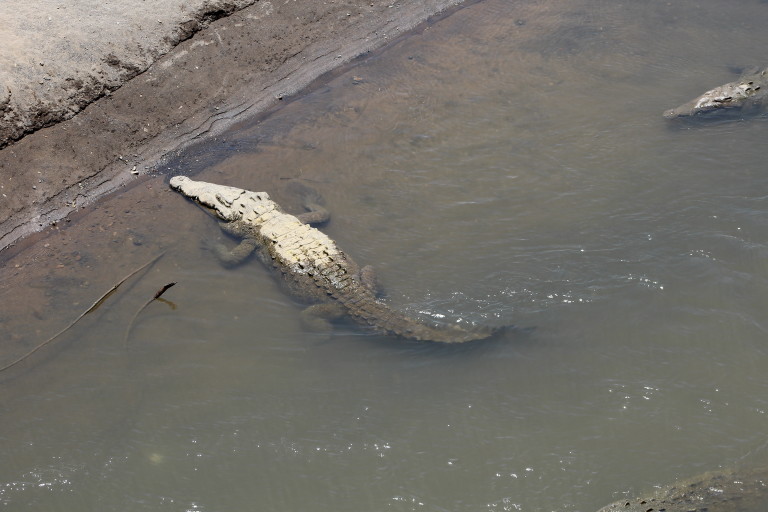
[(507, 165)]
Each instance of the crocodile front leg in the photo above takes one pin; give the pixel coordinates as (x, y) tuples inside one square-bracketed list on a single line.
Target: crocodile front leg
[(236, 255), (239, 253), (312, 201), (315, 215)]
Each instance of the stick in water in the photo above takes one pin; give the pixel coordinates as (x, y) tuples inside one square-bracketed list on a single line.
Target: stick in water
[(150, 301), (95, 305)]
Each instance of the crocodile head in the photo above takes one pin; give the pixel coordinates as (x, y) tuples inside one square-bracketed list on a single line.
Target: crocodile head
[(227, 203), (729, 96)]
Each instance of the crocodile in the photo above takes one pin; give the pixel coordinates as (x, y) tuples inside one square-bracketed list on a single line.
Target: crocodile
[(311, 265), (748, 93), (718, 491)]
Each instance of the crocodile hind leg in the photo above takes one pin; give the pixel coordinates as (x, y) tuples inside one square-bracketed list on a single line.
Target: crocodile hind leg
[(368, 278), (312, 201), (317, 318)]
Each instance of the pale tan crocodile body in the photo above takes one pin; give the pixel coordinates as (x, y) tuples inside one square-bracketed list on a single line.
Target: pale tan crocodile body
[(311, 265)]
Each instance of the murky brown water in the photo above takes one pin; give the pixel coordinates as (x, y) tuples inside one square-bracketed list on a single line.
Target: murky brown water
[(508, 165)]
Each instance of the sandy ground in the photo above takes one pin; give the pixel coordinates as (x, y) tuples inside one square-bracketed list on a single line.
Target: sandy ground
[(93, 94)]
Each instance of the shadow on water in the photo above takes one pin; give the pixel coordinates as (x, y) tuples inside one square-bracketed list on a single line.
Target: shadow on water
[(507, 165)]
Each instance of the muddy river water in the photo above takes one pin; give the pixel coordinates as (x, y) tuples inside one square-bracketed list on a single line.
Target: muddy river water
[(508, 164)]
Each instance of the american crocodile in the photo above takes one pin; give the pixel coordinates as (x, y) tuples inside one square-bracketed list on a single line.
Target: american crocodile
[(721, 491), (314, 269), (748, 93)]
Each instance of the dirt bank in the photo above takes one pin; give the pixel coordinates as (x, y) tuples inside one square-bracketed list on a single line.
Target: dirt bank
[(59, 57), (95, 94)]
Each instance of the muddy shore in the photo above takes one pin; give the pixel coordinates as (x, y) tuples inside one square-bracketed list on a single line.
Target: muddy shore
[(94, 95)]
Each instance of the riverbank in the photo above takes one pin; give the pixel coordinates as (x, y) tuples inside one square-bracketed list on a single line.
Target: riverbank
[(94, 95)]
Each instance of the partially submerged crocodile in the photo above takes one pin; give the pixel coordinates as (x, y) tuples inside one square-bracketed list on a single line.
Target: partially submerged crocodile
[(748, 93), (721, 491), (311, 265)]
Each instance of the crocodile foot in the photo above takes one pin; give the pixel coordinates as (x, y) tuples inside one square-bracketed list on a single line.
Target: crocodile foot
[(318, 317)]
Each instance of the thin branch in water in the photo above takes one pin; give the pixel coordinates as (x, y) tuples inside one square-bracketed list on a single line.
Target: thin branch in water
[(95, 305), (157, 296), (161, 291)]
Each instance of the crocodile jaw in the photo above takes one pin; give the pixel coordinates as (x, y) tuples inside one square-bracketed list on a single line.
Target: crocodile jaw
[(228, 203)]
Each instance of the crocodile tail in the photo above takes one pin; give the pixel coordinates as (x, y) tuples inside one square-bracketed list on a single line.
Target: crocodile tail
[(363, 306)]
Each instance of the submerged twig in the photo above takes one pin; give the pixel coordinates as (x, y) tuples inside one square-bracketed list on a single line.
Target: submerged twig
[(157, 296), (95, 305)]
